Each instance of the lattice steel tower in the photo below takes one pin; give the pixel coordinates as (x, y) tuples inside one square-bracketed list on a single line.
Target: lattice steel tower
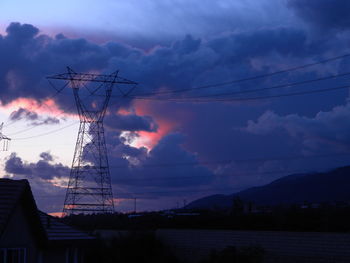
[(89, 189)]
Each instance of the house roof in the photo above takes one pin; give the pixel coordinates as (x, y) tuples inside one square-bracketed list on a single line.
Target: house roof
[(12, 193), (45, 227), (56, 230)]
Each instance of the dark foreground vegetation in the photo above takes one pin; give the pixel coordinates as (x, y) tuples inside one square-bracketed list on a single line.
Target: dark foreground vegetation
[(144, 247), (133, 235), (138, 247), (237, 255)]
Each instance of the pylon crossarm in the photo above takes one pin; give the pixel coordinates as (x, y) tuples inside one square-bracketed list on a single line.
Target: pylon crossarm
[(72, 76)]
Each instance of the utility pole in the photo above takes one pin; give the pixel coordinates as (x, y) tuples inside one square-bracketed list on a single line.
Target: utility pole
[(89, 188), (135, 205)]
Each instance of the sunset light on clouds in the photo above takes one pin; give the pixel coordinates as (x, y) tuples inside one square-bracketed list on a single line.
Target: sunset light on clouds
[(47, 106), (165, 126), (200, 97), (150, 139)]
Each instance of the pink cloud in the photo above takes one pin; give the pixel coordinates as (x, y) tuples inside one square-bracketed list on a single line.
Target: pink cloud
[(47, 106), (165, 125)]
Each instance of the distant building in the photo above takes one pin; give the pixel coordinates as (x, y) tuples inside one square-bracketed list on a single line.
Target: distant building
[(28, 235)]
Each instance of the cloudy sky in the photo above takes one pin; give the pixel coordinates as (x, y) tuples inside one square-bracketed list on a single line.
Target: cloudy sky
[(189, 129)]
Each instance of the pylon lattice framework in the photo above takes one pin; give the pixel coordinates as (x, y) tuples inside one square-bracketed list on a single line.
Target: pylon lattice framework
[(89, 188)]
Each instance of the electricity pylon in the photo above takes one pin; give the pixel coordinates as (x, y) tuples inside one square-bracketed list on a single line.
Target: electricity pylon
[(89, 188), (5, 140)]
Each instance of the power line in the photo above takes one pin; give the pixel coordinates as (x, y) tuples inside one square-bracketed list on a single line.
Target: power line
[(247, 99), (199, 100), (159, 192), (62, 112), (247, 79), (288, 94), (245, 173), (216, 100), (35, 126), (46, 133), (270, 88), (59, 91), (285, 158), (186, 191), (54, 116)]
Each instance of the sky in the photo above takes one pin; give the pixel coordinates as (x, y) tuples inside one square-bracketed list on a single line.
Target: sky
[(189, 129)]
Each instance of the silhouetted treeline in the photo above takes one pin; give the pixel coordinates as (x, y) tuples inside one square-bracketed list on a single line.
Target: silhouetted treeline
[(293, 218)]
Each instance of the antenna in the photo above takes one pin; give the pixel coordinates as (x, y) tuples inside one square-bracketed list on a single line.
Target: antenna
[(89, 188), (5, 140)]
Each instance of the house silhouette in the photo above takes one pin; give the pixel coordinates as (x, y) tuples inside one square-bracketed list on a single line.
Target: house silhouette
[(28, 235)]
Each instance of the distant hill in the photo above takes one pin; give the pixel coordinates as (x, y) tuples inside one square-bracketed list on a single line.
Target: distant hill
[(297, 188)]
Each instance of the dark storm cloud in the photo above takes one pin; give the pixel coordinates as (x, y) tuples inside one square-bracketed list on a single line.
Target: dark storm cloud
[(326, 130), (22, 113), (247, 45), (131, 122), (20, 33), (15, 165), (170, 150), (46, 121), (43, 169), (137, 170), (48, 196), (46, 156), (33, 117), (326, 14), (153, 170), (29, 57)]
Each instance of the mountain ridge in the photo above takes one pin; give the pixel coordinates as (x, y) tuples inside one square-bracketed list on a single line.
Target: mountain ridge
[(318, 187)]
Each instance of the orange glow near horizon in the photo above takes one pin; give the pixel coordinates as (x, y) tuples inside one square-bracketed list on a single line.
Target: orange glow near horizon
[(117, 202), (59, 182), (56, 214)]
